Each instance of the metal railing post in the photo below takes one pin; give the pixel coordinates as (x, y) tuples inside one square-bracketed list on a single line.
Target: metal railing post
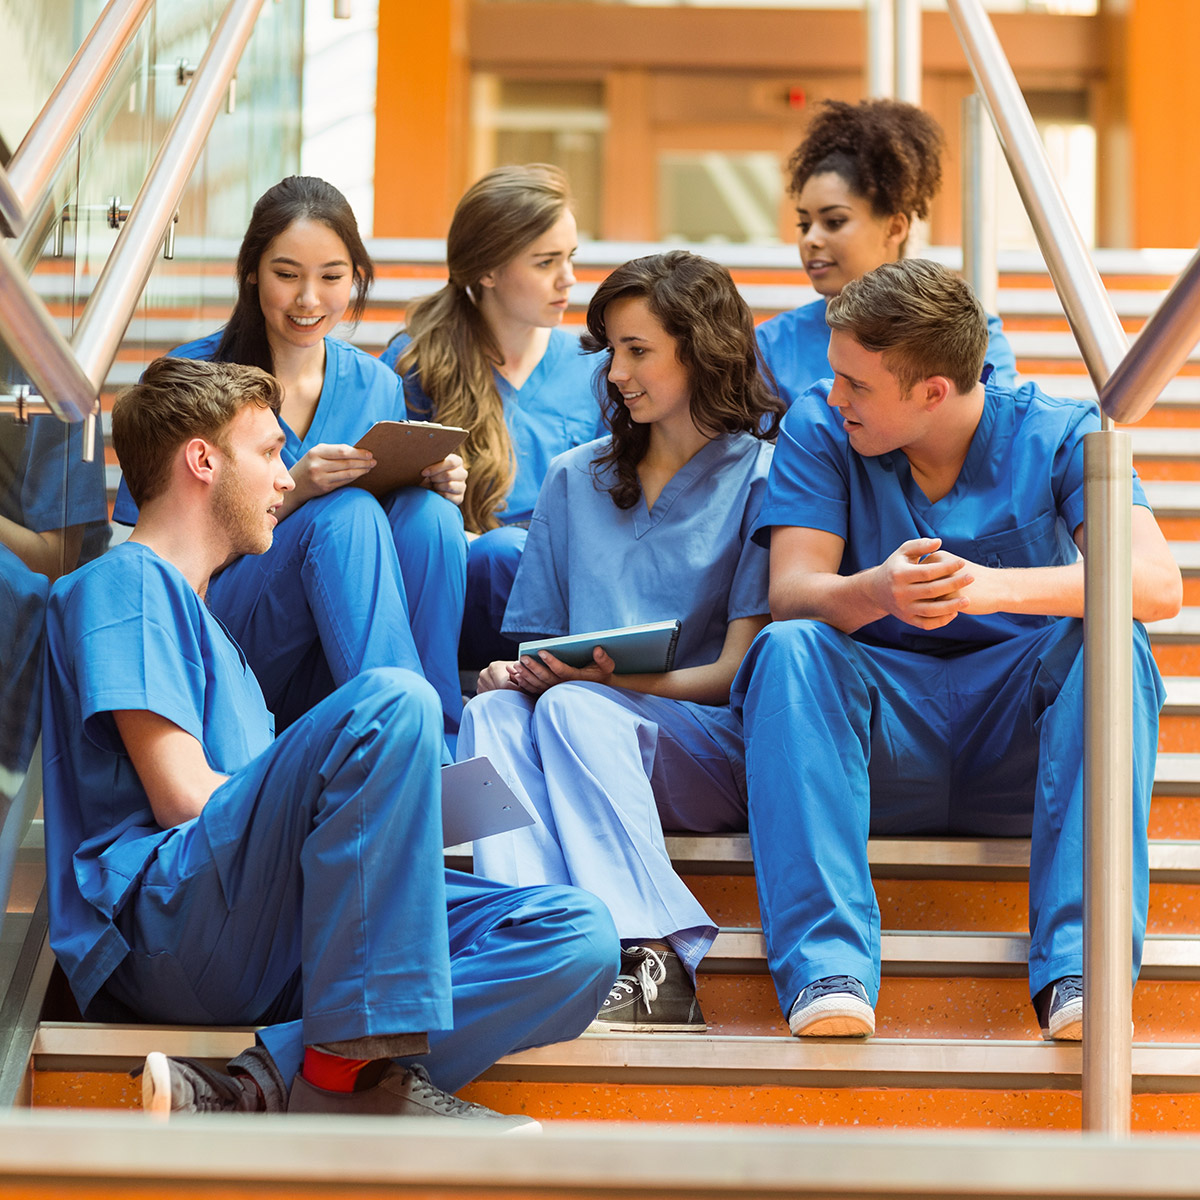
[(908, 50), (881, 40), (979, 226), (1108, 783)]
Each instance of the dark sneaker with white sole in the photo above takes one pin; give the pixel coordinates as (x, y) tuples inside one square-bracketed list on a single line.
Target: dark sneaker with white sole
[(403, 1092), (653, 994), (1059, 1008), (836, 1006)]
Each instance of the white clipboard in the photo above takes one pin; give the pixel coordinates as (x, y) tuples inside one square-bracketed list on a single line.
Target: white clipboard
[(477, 803)]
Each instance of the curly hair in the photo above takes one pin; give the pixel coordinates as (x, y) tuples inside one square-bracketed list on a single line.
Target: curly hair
[(296, 198), (452, 349), (698, 305), (888, 152)]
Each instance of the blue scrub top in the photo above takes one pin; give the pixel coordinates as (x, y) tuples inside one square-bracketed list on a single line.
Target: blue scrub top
[(796, 347), (44, 482), (127, 631), (357, 391), (589, 565), (554, 410), (1017, 502)]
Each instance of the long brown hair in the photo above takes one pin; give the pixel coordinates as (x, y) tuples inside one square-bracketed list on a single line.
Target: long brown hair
[(452, 349), (296, 198), (697, 303)]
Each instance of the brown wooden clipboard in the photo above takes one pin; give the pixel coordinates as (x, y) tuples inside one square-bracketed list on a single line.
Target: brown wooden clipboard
[(402, 450)]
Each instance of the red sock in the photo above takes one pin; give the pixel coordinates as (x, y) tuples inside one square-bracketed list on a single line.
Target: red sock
[(330, 1071)]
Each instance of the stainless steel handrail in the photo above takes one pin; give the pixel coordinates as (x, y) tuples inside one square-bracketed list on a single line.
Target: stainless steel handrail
[(1161, 349), (120, 285), (1096, 327), (42, 150), (11, 208)]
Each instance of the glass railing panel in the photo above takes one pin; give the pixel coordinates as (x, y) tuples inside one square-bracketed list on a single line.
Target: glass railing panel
[(54, 507)]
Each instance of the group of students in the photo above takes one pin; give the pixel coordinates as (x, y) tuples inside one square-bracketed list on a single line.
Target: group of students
[(866, 530)]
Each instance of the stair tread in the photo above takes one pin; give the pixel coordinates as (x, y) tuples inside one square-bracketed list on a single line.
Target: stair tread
[(948, 952), (920, 857), (688, 1058)]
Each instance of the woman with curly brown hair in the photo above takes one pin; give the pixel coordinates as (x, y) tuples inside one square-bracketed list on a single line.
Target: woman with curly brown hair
[(863, 174), (486, 352), (647, 525)]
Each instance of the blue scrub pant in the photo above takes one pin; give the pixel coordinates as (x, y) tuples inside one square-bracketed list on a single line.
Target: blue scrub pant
[(312, 886), (604, 771), (492, 561), (329, 600), (845, 739), (431, 549)]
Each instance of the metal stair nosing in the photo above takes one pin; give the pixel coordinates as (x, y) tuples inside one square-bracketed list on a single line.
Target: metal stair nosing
[(937, 953), (727, 1059), (833, 1062), (965, 858)]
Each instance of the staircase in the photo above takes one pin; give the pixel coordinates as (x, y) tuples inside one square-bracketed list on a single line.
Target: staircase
[(957, 1044)]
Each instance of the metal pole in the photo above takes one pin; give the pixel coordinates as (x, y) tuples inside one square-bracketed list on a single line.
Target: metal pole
[(29, 332), (1102, 341), (979, 233), (881, 39), (117, 291), (1107, 783), (908, 51)]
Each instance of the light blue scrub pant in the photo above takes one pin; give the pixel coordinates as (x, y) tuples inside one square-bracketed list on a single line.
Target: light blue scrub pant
[(604, 771), (492, 562), (331, 598), (311, 890), (845, 739)]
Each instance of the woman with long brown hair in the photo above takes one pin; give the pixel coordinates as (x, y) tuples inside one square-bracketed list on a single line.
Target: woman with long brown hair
[(650, 524), (487, 352)]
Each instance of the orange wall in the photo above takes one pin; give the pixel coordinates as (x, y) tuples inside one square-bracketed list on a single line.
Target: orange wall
[(1163, 89), (421, 110)]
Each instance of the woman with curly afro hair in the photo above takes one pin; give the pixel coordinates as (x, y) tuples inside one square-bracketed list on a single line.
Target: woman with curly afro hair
[(863, 174)]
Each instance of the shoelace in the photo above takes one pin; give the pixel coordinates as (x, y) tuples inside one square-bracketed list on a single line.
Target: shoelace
[(214, 1091), (444, 1102), (650, 972), (833, 985), (1069, 988)]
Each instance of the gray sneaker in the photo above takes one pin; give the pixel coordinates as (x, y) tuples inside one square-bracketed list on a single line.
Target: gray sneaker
[(1059, 1008), (653, 994), (403, 1092), (181, 1085)]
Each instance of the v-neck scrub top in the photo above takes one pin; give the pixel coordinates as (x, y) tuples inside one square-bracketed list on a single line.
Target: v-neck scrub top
[(554, 410), (355, 394), (1016, 503), (590, 565)]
